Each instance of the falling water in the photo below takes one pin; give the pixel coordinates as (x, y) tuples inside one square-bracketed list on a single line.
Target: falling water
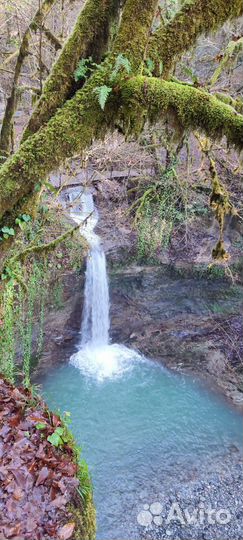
[(95, 322), (95, 356)]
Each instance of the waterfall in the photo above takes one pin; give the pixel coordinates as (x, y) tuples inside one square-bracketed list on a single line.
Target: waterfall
[(95, 320), (95, 356)]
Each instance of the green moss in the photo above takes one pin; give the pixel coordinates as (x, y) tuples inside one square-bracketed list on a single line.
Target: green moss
[(237, 103), (76, 124), (81, 120), (90, 37), (191, 108), (196, 17), (7, 123), (134, 31), (85, 520)]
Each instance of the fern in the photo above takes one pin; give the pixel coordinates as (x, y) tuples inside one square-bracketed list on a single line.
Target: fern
[(103, 93), (149, 67), (121, 63), (83, 68)]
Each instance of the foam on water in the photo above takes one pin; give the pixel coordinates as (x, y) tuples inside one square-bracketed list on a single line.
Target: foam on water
[(105, 361)]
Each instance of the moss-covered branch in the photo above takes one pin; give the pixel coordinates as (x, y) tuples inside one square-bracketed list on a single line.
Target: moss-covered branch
[(77, 123), (6, 131), (42, 248), (81, 120), (151, 98), (195, 18), (90, 37), (134, 32)]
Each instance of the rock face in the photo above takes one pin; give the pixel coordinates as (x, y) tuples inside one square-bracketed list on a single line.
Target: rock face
[(62, 323), (186, 323)]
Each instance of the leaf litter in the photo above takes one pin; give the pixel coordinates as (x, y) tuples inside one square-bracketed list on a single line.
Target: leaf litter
[(37, 480)]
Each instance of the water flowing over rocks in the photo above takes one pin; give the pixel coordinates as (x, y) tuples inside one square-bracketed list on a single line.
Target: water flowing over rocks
[(176, 320)]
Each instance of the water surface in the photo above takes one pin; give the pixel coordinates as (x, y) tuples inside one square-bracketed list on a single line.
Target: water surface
[(140, 427)]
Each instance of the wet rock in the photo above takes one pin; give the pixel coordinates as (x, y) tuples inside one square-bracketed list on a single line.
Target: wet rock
[(187, 324)]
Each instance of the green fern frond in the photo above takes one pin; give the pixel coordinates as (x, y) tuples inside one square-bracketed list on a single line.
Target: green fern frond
[(121, 63), (82, 69), (103, 93)]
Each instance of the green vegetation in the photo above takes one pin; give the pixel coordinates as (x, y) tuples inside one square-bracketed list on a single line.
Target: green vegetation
[(157, 210), (27, 276), (90, 38)]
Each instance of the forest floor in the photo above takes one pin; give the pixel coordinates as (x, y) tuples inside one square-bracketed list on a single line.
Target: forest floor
[(38, 475)]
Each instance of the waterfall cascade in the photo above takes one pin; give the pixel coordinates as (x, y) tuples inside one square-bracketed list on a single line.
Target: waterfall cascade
[(95, 321), (95, 356)]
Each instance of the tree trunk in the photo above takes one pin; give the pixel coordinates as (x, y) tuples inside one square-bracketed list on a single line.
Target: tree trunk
[(90, 37), (7, 125)]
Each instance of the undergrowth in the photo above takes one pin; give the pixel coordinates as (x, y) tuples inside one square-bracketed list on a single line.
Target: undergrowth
[(28, 286), (157, 210)]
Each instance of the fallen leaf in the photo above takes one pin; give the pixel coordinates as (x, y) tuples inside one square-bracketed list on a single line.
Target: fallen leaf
[(42, 476), (66, 531)]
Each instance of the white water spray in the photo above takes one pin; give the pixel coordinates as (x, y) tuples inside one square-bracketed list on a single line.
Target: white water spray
[(95, 356)]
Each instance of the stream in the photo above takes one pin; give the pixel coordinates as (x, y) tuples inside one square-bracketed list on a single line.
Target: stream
[(152, 438)]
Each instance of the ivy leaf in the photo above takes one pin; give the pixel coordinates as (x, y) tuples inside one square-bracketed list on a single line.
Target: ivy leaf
[(40, 425), (7, 231), (59, 431), (103, 93), (55, 439), (26, 218)]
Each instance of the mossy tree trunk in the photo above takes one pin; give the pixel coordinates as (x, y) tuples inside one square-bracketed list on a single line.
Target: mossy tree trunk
[(133, 100), (90, 37)]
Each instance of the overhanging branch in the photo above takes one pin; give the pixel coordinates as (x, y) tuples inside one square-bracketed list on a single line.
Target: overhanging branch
[(194, 19), (81, 120), (151, 98)]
